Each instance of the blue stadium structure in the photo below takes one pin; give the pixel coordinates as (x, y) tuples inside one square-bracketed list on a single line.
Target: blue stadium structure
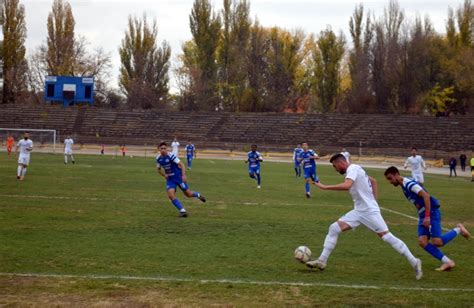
[(69, 90)]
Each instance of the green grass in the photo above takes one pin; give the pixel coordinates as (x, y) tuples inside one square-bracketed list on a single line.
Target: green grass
[(110, 216)]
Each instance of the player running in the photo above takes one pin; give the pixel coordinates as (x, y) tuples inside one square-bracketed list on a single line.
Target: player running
[(175, 175), (429, 221), (417, 165), (363, 190), (296, 160), (254, 158), (25, 146), (175, 147), (190, 154), (68, 142), (10, 142), (307, 158)]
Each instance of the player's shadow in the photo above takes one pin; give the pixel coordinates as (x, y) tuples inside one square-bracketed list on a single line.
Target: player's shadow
[(308, 271)]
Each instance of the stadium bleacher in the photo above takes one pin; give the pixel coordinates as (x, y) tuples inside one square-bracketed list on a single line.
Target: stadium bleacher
[(378, 134)]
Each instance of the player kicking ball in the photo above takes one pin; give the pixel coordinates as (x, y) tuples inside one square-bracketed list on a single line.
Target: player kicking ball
[(254, 158), (173, 170), (25, 146), (429, 221), (363, 190)]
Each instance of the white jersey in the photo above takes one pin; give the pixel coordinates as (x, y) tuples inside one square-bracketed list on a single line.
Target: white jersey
[(361, 190), (347, 155), (417, 163), (24, 145), (68, 144), (175, 148)]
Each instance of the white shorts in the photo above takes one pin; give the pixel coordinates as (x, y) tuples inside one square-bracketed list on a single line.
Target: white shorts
[(372, 220), (24, 159), (418, 176), (67, 152)]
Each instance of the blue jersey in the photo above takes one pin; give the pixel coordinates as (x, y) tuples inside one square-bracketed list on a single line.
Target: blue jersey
[(296, 154), (190, 148), (254, 159), (306, 159), (411, 188), (170, 164)]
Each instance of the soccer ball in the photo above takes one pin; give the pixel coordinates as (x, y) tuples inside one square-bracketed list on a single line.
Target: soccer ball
[(302, 254)]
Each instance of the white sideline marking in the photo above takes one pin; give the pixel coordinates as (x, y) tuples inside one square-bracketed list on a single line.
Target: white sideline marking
[(404, 215), (144, 200), (236, 281)]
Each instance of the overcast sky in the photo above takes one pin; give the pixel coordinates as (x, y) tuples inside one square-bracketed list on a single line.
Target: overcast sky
[(103, 22)]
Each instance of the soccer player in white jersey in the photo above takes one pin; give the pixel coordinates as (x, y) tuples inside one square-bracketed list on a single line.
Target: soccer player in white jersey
[(417, 165), (363, 190), (25, 146), (346, 154), (68, 142), (175, 147)]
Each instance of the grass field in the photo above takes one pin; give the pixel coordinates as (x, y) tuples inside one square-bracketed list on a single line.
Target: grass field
[(109, 218)]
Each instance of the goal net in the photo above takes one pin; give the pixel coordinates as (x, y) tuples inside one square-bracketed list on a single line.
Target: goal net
[(43, 139)]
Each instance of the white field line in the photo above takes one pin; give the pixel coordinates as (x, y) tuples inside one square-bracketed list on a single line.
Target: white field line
[(148, 200), (405, 215), (236, 281)]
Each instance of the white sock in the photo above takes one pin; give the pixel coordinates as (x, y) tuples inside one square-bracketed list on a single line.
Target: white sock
[(400, 246), (445, 259), (18, 171), (23, 172), (72, 158), (65, 159), (457, 230), (330, 241)]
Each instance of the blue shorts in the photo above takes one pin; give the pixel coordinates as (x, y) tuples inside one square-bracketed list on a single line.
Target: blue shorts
[(435, 229), (173, 183), (253, 170), (310, 173), (297, 164)]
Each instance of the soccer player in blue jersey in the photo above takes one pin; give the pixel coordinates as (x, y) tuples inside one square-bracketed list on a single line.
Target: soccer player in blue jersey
[(307, 159), (296, 160), (172, 169), (190, 154), (254, 158), (429, 221)]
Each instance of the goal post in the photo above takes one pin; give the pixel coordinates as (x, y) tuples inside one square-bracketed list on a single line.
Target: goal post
[(43, 137)]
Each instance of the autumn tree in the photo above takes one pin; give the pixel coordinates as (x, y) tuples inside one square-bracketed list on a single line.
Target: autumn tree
[(205, 26), (60, 42), (385, 53), (327, 59), (233, 55), (144, 65), (13, 51), (361, 30)]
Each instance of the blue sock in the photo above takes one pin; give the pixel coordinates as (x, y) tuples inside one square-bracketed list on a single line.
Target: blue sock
[(252, 176), (196, 194), (434, 251), (258, 179), (306, 186), (190, 163), (296, 172), (448, 236), (177, 204)]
